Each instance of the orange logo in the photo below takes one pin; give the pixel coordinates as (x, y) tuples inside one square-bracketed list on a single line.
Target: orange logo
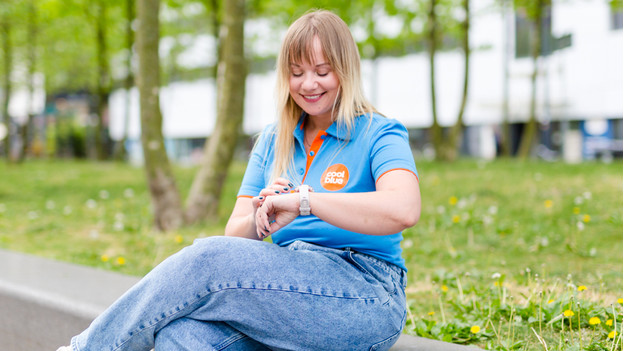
[(335, 177)]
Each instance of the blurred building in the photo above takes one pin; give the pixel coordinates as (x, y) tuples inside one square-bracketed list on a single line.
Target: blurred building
[(579, 88)]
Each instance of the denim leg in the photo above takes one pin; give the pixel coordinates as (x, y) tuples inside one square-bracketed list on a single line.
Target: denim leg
[(303, 297), (186, 334)]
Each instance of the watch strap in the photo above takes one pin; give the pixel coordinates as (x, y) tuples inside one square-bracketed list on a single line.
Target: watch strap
[(304, 200)]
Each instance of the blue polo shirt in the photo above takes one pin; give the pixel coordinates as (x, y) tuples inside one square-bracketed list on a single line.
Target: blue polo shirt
[(339, 161)]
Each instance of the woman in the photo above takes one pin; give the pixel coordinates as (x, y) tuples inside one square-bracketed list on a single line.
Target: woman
[(333, 278)]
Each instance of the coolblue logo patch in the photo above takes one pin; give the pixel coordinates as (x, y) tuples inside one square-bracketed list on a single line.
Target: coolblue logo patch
[(335, 177)]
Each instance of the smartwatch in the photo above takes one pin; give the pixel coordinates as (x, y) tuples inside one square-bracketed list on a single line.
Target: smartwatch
[(304, 200)]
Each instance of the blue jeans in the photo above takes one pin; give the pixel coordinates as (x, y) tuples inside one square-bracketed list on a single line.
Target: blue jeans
[(225, 293)]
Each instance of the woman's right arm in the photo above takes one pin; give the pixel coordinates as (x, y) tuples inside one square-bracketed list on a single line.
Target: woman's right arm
[(242, 221)]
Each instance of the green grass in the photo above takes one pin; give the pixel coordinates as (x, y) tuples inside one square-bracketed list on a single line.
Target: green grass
[(500, 245)]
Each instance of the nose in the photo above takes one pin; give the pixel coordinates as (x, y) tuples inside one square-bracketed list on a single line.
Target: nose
[(309, 82)]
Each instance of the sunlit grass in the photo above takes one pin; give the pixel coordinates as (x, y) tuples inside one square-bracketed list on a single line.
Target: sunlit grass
[(503, 249)]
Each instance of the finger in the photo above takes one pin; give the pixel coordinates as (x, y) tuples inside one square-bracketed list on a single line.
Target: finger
[(257, 201), (273, 190), (284, 182), (262, 223)]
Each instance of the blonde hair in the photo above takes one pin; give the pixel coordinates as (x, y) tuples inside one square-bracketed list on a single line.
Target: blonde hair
[(341, 52)]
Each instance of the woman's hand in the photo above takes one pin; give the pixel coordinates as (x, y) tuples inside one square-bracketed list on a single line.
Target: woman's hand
[(275, 213), (279, 186)]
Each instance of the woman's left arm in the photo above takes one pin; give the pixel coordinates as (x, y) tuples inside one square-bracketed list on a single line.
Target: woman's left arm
[(393, 207)]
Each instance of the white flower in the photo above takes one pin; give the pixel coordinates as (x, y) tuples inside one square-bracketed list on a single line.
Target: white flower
[(487, 220), (408, 243), (580, 225), (67, 210), (91, 204), (104, 194), (128, 193), (2, 208), (493, 210), (587, 195), (50, 205), (118, 226), (578, 200), (496, 275), (94, 234), (441, 209), (32, 215)]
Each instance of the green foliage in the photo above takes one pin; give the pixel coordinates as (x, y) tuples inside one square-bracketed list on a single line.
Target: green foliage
[(505, 246), (498, 241)]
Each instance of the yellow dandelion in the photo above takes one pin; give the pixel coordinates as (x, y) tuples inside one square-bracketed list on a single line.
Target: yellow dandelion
[(121, 261), (178, 239), (568, 313), (548, 203), (594, 321), (586, 218), (475, 329), (431, 313), (620, 301), (455, 219), (609, 322), (453, 201), (104, 258), (582, 288), (550, 301), (496, 284), (612, 334), (576, 210), (444, 288)]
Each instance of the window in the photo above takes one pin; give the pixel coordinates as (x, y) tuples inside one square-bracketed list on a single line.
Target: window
[(524, 33), (616, 16)]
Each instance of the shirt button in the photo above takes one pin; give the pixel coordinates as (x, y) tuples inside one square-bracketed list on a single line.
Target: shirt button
[(323, 137), (311, 153), (301, 170)]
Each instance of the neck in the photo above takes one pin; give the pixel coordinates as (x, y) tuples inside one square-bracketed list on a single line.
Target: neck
[(316, 123)]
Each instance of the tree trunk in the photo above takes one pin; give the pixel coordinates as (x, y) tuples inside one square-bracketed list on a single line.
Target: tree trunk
[(215, 25), (206, 189), (32, 66), (455, 137), (120, 146), (530, 129), (166, 203), (504, 133), (6, 84), (103, 82), (436, 129)]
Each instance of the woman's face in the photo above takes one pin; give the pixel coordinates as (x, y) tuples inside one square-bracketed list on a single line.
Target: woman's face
[(314, 85)]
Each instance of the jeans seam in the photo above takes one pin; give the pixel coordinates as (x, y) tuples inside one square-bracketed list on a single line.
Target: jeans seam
[(229, 341)]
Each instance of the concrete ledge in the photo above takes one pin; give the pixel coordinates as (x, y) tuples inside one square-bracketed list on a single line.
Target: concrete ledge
[(44, 303)]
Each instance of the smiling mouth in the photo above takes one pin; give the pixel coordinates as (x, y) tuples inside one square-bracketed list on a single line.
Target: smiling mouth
[(312, 98)]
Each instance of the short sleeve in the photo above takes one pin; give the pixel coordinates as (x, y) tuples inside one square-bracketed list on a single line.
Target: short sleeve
[(390, 149), (254, 178)]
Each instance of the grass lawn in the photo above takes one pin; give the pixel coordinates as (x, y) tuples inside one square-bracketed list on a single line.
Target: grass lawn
[(502, 249)]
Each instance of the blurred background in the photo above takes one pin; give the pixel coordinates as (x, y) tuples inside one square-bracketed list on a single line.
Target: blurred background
[(478, 78)]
